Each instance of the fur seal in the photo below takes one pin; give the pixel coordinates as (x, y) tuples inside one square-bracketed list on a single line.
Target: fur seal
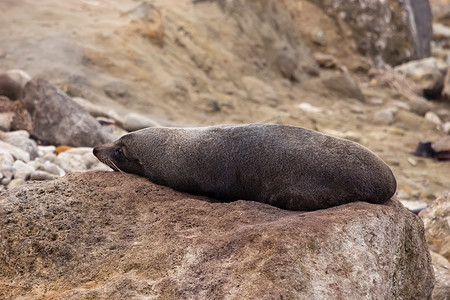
[(284, 166)]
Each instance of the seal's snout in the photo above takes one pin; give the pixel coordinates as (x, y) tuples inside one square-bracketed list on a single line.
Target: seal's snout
[(96, 151)]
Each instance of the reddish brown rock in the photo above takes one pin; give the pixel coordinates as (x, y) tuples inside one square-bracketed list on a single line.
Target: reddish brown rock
[(20, 118), (108, 235)]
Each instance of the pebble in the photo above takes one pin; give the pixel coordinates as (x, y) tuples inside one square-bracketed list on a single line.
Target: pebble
[(15, 183), (22, 170), (385, 116), (446, 127), (433, 118), (42, 175), (309, 108), (414, 205), (17, 153)]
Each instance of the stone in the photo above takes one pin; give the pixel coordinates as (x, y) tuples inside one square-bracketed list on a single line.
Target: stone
[(344, 85), (79, 160), (446, 127), (134, 121), (426, 74), (442, 144), (420, 106), (385, 116), (21, 139), (446, 87), (15, 183), (147, 21), (325, 60), (17, 153), (414, 205), (6, 119), (318, 37), (22, 170), (440, 32), (153, 242), (58, 120), (47, 153), (18, 116), (42, 175), (441, 268), (12, 83), (433, 118), (387, 31), (437, 226), (285, 61), (309, 108), (52, 168)]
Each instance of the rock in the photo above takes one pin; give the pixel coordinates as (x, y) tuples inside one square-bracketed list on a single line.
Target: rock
[(52, 169), (21, 139), (58, 120), (47, 153), (153, 242), (426, 74), (442, 144), (325, 60), (42, 175), (446, 88), (414, 206), (440, 32), (6, 168), (285, 61), (63, 148), (22, 170), (309, 108), (6, 119), (433, 118), (147, 21), (441, 268), (344, 85), (15, 183), (17, 153), (20, 119), (446, 127), (441, 11), (385, 116), (134, 121), (388, 31), (12, 83), (79, 160), (318, 37), (420, 106), (437, 227)]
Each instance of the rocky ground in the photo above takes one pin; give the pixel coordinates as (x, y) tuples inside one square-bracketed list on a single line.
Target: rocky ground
[(133, 64)]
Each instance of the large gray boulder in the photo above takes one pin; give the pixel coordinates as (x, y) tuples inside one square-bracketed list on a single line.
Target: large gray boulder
[(59, 120), (390, 32), (108, 235)]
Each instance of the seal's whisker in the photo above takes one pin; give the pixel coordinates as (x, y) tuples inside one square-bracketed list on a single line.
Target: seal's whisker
[(114, 166)]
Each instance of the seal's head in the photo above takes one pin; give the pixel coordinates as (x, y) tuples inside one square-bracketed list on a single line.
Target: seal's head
[(117, 156)]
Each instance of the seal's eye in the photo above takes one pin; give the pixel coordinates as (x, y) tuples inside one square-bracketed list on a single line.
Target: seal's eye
[(119, 152)]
